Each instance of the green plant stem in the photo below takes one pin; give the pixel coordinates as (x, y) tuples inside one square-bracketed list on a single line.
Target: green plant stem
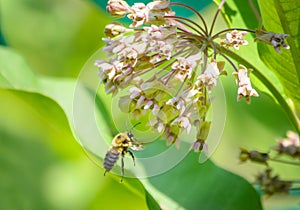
[(254, 10), (280, 99), (225, 16), (231, 29), (205, 31), (230, 61), (215, 17), (284, 161), (179, 18)]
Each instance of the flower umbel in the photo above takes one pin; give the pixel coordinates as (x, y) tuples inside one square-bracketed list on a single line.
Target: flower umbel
[(171, 64)]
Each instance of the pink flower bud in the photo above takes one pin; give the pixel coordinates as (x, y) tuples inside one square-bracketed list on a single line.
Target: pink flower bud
[(117, 8)]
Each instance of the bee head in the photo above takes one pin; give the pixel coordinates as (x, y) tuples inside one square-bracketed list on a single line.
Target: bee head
[(130, 135)]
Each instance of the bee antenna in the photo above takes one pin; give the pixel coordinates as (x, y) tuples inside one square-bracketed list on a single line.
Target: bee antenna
[(135, 126), (126, 125)]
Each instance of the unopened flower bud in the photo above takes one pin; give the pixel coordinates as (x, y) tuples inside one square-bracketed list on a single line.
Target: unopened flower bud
[(254, 156), (117, 8), (115, 29), (159, 5), (203, 131)]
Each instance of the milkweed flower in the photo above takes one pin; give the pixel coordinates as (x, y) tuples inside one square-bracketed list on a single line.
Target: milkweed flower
[(115, 29), (117, 8), (289, 146), (271, 38), (199, 146), (211, 74), (170, 64), (234, 39), (244, 85), (291, 140)]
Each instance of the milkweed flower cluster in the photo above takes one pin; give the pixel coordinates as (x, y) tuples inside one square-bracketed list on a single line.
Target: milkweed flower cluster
[(271, 184), (170, 64), (289, 146)]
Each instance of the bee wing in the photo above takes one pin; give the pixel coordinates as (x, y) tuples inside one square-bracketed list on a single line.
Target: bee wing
[(137, 146)]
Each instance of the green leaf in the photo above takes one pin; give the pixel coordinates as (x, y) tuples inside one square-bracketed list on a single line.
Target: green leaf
[(249, 12), (239, 13), (23, 162), (60, 92), (34, 175), (55, 37), (15, 72), (241, 19), (264, 79), (204, 186), (49, 108), (22, 111), (282, 16), (269, 84), (151, 203), (116, 195)]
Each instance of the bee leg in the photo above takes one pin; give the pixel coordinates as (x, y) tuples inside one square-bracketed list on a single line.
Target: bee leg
[(131, 154), (105, 173), (122, 165)]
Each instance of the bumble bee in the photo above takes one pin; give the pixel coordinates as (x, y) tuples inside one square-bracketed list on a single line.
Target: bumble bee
[(121, 144)]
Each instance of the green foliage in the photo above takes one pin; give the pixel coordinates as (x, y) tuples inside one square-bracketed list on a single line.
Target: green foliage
[(270, 76), (35, 164), (62, 34), (283, 17), (15, 72), (205, 186), (151, 203), (22, 172)]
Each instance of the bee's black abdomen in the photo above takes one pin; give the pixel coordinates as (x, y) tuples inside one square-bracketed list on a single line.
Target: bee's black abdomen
[(110, 159)]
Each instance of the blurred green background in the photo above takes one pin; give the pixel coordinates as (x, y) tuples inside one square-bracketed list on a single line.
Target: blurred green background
[(42, 166)]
